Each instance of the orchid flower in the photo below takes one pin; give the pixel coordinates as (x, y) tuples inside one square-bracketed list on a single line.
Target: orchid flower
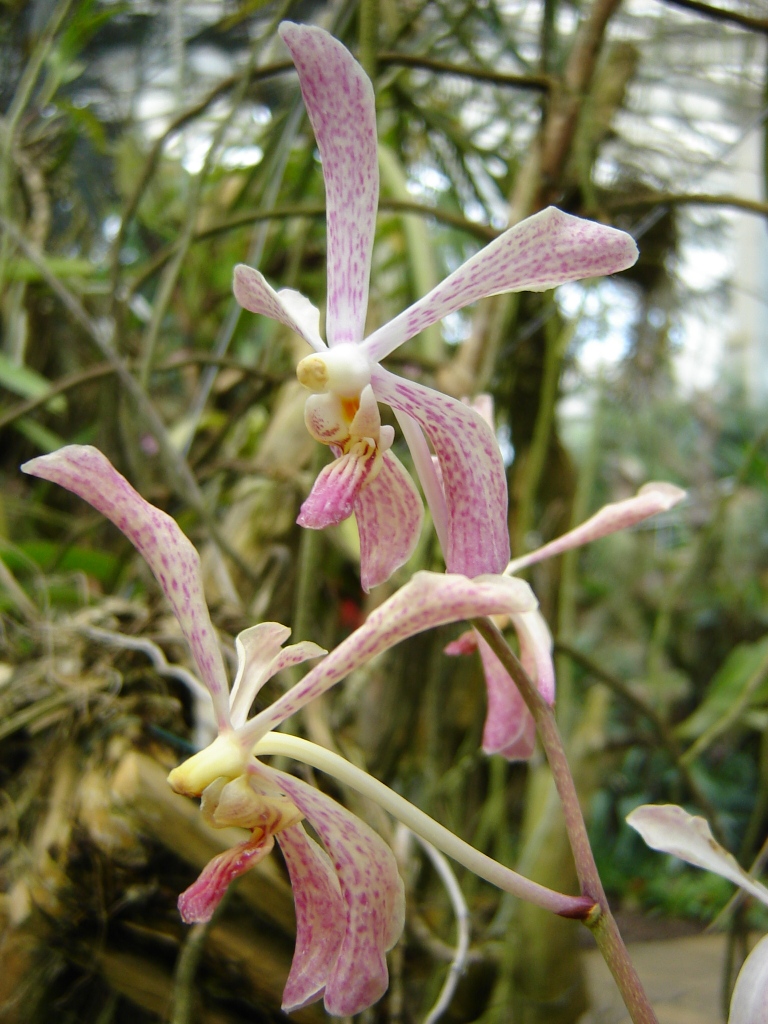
[(509, 728), (670, 829), (348, 893), (468, 501)]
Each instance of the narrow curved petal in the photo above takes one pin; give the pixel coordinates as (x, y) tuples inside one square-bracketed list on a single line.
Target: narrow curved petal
[(429, 599), (167, 551), (389, 516), (320, 917), (256, 647), (536, 651), (651, 499), (260, 656), (198, 902), (669, 828), (749, 1003), (373, 895), (340, 102), (473, 476), (287, 306), (509, 727), (336, 490), (539, 253)]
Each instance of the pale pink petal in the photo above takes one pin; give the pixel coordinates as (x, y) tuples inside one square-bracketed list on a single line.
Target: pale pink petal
[(340, 103), (260, 656), (536, 651), (175, 563), (373, 894), (286, 306), (472, 470), (198, 902), (429, 599), (669, 828), (465, 643), (749, 1003), (336, 490), (509, 727), (367, 420), (389, 516), (256, 647), (320, 917), (651, 499), (539, 253)]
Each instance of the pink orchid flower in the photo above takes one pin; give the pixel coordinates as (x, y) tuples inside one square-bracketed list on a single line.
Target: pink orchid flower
[(468, 501), (348, 893), (509, 728), (670, 829)]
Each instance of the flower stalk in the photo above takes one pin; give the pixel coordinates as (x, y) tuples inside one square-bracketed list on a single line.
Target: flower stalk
[(282, 744), (601, 922)]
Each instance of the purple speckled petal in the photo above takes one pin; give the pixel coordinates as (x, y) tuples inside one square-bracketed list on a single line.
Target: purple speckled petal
[(260, 656), (651, 499), (320, 917), (509, 727), (340, 103), (472, 471), (389, 516), (536, 651), (287, 306), (429, 599), (198, 902), (670, 829), (749, 1003), (373, 894), (539, 253), (336, 490), (88, 473)]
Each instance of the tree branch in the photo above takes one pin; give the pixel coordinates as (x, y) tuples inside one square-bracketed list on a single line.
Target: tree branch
[(718, 14)]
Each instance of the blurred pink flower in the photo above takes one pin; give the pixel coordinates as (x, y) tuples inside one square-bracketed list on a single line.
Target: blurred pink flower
[(468, 500)]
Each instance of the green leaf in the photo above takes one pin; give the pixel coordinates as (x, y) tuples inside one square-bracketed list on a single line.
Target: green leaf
[(27, 383), (745, 667), (99, 564)]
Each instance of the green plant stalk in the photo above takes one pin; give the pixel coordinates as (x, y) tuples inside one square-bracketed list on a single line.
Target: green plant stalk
[(369, 32), (601, 922), (557, 342)]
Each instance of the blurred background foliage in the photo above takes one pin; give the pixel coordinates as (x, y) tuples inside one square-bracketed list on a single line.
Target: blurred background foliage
[(146, 148)]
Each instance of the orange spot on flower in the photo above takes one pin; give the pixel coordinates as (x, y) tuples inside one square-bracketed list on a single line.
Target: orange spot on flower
[(349, 407)]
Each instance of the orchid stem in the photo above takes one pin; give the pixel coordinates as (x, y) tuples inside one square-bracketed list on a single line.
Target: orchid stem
[(601, 923), (422, 825)]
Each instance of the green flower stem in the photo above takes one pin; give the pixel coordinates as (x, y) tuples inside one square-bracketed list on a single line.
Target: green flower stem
[(282, 744), (601, 922)]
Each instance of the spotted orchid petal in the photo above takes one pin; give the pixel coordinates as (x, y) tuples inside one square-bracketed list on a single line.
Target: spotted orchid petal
[(539, 253), (199, 901), (749, 1003), (337, 488), (320, 917), (373, 895), (389, 516), (340, 102), (472, 472), (174, 561), (651, 499), (287, 306), (509, 728), (428, 599), (260, 656), (670, 829)]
